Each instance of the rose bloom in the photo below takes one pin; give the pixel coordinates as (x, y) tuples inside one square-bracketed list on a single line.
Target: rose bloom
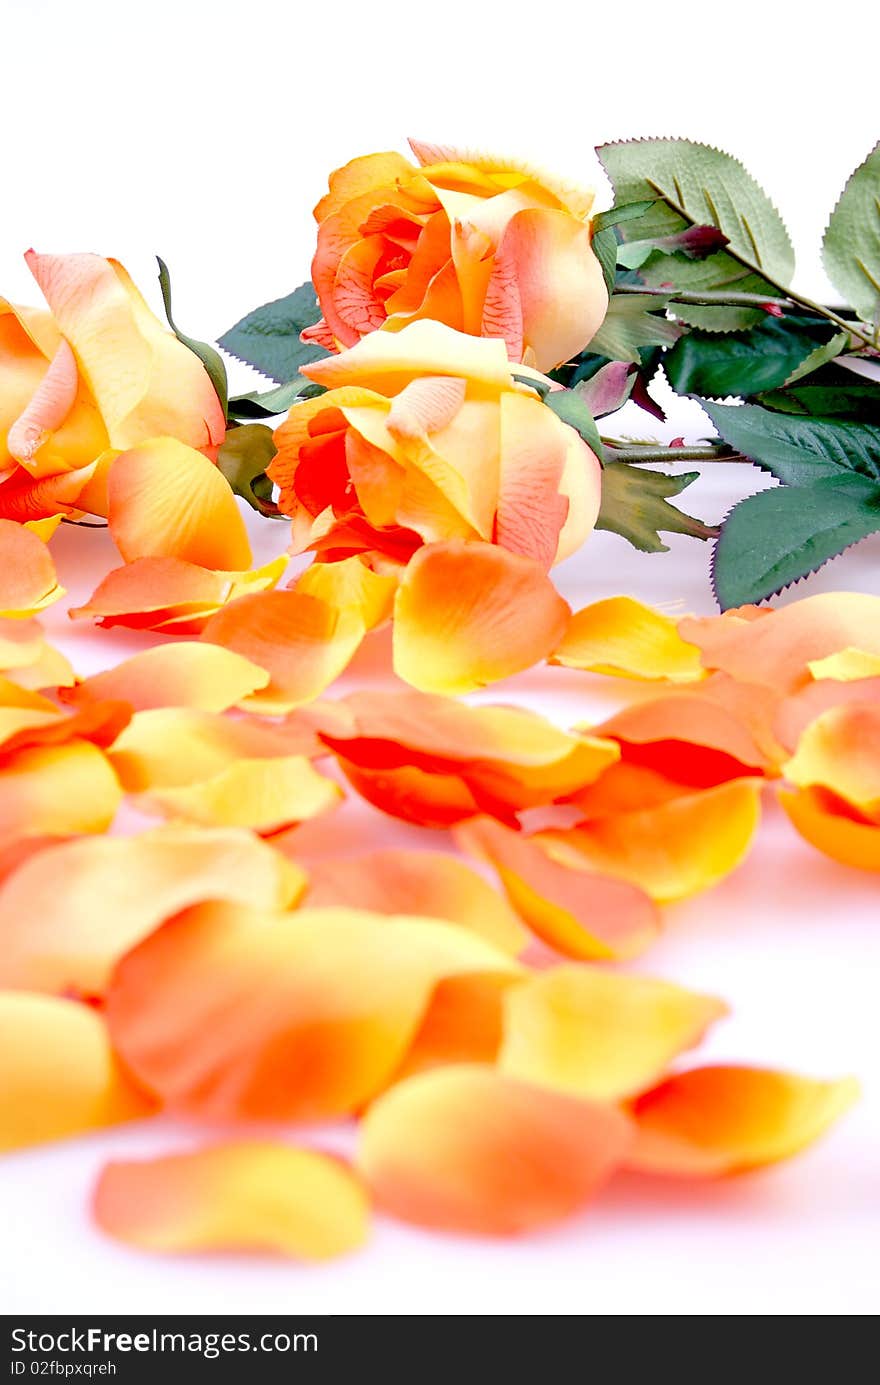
[(492, 248), (95, 375), (424, 436)]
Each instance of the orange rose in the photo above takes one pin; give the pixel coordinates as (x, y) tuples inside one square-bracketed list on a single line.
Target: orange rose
[(424, 436), (95, 376), (491, 248)]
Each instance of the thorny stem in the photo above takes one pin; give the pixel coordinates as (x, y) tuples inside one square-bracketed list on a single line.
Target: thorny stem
[(718, 298), (648, 453)]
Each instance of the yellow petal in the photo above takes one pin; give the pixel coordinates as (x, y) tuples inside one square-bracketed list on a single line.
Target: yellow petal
[(626, 639)]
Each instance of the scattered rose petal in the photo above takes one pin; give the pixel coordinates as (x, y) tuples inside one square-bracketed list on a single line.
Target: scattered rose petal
[(175, 675), (622, 637)]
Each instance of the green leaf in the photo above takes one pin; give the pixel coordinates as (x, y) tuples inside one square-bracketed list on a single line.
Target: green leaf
[(797, 449), (605, 249), (780, 535), (851, 247), (243, 459), (703, 186), (268, 338), (210, 359), (268, 403), (616, 215), (632, 322), (826, 395), (572, 408), (635, 504), (761, 359)]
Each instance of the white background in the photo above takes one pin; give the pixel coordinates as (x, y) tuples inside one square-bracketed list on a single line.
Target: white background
[(204, 133)]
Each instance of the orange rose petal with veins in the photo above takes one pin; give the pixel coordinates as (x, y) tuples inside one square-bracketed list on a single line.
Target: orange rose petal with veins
[(672, 851), (69, 912), (247, 1196), (599, 1034), (719, 1120), (168, 501), (830, 825), (777, 647), (27, 573), (467, 1148), (170, 594), (56, 790), (58, 1074), (190, 674), (264, 794), (302, 642), (626, 639), (171, 747), (575, 911), (468, 614), (229, 1012), (840, 751), (431, 883)]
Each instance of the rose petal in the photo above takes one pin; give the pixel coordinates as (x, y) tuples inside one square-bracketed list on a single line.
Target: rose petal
[(263, 794), (600, 1034), (626, 639), (848, 664), (58, 1073), (55, 790), (824, 821), (170, 594), (197, 675), (467, 1148), (840, 751), (27, 573), (718, 1120), (252, 1196)]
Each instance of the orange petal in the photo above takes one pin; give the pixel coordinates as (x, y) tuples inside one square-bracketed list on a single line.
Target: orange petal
[(168, 501), (58, 1073), (116, 890), (797, 711), (464, 1023), (431, 800), (417, 882), (54, 790), (467, 1148), (302, 642), (599, 1034), (778, 646), (467, 614), (350, 584), (672, 851), (229, 1012), (840, 751), (825, 822), (626, 639), (175, 675), (251, 1196), (719, 1120), (263, 794), (170, 594), (27, 573), (574, 911)]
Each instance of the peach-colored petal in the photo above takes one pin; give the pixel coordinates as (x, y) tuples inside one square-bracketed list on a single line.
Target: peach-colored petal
[(799, 710), (840, 751), (468, 614), (672, 851), (250, 1196), (575, 911), (302, 642), (170, 594), (417, 882), (231, 1012), (29, 719), (47, 408), (718, 1120), (68, 913), (27, 573), (387, 361), (58, 1073), (828, 824), (627, 639), (263, 794), (600, 1034), (467, 1148), (203, 676), (146, 383), (168, 501), (49, 790)]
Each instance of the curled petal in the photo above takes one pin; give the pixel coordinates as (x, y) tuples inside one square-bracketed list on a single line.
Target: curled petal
[(171, 595), (672, 851), (718, 1120), (203, 676), (828, 824), (599, 1034), (58, 1073), (626, 639), (43, 500), (168, 501), (467, 1148), (27, 573), (840, 751), (387, 361), (468, 614), (796, 712), (575, 911), (116, 891), (48, 407), (230, 1012), (250, 1196)]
